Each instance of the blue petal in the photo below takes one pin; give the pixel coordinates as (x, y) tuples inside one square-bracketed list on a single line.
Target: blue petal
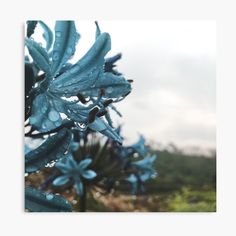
[(98, 31), (74, 146), (85, 72), (45, 115), (61, 180), (115, 86), (101, 126), (98, 125), (132, 178), (146, 163), (89, 174), (79, 187), (71, 162), (84, 163), (63, 167), (66, 39), (144, 177), (39, 55), (139, 147), (48, 35)]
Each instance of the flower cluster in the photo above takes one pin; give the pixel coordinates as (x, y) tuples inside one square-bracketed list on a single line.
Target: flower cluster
[(71, 169), (64, 104)]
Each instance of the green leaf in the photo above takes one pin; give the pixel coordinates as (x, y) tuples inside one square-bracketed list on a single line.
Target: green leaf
[(37, 201), (39, 55), (51, 150)]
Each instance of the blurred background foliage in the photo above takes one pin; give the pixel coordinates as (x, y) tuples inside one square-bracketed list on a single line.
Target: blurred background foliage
[(185, 183)]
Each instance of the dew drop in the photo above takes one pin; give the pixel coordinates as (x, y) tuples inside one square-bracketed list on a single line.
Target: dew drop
[(49, 196), (55, 56), (44, 109), (32, 120), (58, 34), (44, 125), (53, 115), (109, 90), (58, 123), (69, 50)]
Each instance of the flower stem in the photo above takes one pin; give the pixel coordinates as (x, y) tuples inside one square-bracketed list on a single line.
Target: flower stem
[(82, 202)]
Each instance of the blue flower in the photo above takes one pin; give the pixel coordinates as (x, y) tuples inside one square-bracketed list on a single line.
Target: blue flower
[(74, 146), (76, 171), (139, 147), (85, 78), (137, 181), (145, 164)]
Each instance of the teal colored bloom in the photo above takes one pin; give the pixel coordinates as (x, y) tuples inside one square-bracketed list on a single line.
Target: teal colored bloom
[(72, 170), (145, 164), (139, 147), (87, 78), (137, 182)]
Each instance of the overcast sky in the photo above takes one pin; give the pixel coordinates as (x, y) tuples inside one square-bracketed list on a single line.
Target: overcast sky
[(173, 67)]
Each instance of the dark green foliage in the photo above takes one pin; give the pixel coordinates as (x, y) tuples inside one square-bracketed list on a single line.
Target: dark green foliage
[(31, 25), (37, 201), (176, 170)]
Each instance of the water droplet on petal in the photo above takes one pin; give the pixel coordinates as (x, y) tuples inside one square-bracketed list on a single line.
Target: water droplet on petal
[(49, 196), (32, 120), (44, 126), (109, 90), (58, 123), (55, 56), (53, 115), (69, 50), (58, 34), (44, 109)]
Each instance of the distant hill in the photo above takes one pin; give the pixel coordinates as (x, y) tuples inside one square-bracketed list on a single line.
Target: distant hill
[(177, 170)]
